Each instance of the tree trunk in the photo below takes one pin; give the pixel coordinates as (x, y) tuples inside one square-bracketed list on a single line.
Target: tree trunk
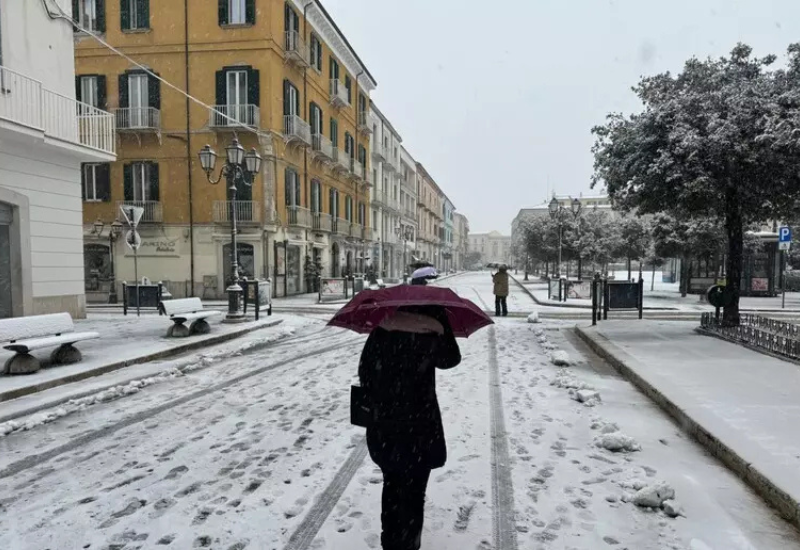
[(683, 276), (653, 279), (629, 269), (735, 229)]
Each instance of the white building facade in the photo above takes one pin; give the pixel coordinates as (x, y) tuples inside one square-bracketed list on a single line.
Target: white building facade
[(386, 178), (408, 206), (45, 135)]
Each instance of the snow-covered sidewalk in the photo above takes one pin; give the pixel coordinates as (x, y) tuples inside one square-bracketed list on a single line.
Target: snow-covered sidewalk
[(124, 341), (742, 403)]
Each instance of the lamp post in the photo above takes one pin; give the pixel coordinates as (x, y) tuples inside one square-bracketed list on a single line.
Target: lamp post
[(557, 212), (238, 168), (114, 231), (405, 232)]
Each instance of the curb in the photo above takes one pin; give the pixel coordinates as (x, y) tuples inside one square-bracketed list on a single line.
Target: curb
[(104, 369), (787, 506)]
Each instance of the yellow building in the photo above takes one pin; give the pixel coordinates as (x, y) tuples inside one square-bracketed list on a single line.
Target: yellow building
[(281, 78), (430, 217)]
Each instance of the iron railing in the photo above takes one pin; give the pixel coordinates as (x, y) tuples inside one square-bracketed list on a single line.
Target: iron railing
[(153, 212), (297, 216), (246, 211), (341, 158), (233, 116), (321, 222), (322, 146), (341, 227), (295, 128), (296, 49), (138, 118), (338, 94), (766, 334)]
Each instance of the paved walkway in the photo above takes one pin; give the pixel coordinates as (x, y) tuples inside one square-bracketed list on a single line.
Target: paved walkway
[(741, 404)]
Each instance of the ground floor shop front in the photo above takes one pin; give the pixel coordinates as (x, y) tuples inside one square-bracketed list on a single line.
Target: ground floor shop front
[(198, 262)]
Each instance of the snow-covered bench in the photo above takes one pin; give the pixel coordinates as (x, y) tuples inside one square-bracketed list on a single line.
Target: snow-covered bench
[(26, 334), (187, 310)]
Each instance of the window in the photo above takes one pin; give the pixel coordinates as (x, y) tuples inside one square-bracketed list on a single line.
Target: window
[(134, 14), (348, 208), (349, 145), (96, 182), (362, 156), (90, 14), (362, 214), (91, 89), (316, 53), (291, 99), (238, 89), (316, 196), (348, 84), (362, 105), (140, 182), (334, 70), (140, 95), (291, 21), (335, 132), (292, 189), (333, 198), (315, 119), (237, 12)]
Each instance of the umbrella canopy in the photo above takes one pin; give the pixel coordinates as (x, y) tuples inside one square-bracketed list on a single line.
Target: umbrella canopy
[(370, 308), (425, 273), (492, 265), (420, 263)]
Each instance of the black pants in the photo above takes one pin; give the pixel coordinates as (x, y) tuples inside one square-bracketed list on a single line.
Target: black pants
[(500, 306), (403, 507)]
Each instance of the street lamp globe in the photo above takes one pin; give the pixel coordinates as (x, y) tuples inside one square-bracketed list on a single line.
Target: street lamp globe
[(116, 229), (576, 206), (235, 152), (208, 158), (252, 161), (554, 206), (98, 226)]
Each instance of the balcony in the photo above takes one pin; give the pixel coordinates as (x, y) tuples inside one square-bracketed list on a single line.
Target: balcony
[(321, 222), (25, 102), (341, 160), (297, 216), (378, 152), (234, 116), (357, 169), (339, 97), (295, 49), (246, 212), (377, 197), (296, 129), (389, 160), (138, 119), (363, 122), (322, 147), (341, 227), (410, 213), (153, 212)]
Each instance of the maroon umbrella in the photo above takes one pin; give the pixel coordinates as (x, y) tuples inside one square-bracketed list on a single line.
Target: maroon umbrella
[(369, 308)]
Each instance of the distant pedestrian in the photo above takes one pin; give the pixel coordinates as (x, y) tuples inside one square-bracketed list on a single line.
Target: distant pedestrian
[(500, 280), (406, 439)]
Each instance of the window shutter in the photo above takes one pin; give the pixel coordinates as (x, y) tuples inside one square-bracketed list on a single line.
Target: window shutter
[(76, 13), (127, 182), (154, 91), (154, 182), (287, 186), (143, 8), (101, 15), (125, 14), (78, 96), (335, 132), (83, 181), (297, 103), (287, 23), (348, 84), (253, 87), (223, 12), (287, 99), (102, 177), (222, 91), (298, 193), (123, 91), (250, 11), (102, 93)]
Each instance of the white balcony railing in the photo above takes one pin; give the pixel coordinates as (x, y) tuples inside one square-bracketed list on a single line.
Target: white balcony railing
[(296, 129), (234, 116), (246, 212), (153, 212), (338, 94), (24, 101), (297, 216), (357, 168), (321, 222), (363, 122), (296, 49), (322, 146), (341, 158), (138, 118), (341, 227)]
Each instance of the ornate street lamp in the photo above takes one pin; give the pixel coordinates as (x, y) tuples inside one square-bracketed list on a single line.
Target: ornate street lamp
[(113, 235), (557, 212), (405, 232), (239, 167), (576, 212)]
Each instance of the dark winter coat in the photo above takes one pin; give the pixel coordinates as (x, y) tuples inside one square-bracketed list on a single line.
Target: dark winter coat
[(398, 372)]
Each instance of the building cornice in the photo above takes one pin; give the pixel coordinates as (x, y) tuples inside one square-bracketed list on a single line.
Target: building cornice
[(326, 27)]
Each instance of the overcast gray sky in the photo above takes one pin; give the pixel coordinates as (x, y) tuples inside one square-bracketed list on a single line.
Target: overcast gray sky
[(497, 101)]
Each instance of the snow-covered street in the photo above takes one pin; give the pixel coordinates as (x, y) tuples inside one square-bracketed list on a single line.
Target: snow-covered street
[(256, 451)]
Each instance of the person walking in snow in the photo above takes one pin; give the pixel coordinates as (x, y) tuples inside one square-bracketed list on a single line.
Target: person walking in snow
[(500, 280), (406, 436)]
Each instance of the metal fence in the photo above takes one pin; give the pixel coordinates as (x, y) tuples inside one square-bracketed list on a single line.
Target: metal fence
[(770, 335)]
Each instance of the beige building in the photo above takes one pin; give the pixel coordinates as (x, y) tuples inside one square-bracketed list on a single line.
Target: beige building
[(492, 246), (429, 217)]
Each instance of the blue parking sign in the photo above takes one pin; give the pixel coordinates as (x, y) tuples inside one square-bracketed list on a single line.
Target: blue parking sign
[(785, 234)]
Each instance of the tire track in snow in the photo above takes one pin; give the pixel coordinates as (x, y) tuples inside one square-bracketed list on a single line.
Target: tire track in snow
[(307, 531), (503, 522), (480, 298), (35, 460)]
